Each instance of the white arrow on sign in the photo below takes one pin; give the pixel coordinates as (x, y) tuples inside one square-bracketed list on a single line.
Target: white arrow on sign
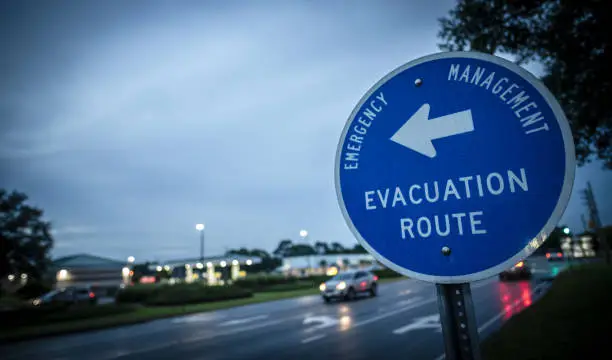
[(418, 132), (323, 321), (425, 322)]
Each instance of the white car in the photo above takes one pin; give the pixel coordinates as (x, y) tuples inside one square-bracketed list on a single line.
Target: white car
[(347, 285)]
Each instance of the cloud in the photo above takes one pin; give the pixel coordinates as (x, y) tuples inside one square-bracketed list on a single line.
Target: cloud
[(141, 121), (72, 230)]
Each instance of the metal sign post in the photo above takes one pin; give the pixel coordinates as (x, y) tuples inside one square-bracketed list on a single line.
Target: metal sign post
[(460, 151), (458, 320)]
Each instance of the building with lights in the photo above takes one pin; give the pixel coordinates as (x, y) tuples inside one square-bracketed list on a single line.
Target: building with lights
[(215, 270), (580, 246), (329, 264), (99, 272), (88, 270)]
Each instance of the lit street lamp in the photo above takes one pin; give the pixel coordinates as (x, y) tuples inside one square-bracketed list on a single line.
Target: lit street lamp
[(131, 259), (200, 228), (304, 236), (126, 275), (566, 230)]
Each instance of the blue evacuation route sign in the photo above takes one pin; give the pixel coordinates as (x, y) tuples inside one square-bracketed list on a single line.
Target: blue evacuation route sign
[(454, 167)]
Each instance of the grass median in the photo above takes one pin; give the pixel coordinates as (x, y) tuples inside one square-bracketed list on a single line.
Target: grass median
[(573, 320), (141, 314), (120, 314)]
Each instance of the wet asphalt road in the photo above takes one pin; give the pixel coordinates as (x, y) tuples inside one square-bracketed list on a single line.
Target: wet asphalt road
[(401, 322)]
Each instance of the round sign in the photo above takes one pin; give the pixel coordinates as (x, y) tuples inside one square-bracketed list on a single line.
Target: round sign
[(454, 167)]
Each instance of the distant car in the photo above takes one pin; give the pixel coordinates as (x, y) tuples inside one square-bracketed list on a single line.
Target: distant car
[(519, 271), (347, 285), (555, 256), (68, 296)]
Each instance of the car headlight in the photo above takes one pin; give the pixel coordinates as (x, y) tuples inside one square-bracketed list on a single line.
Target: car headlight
[(322, 287), (341, 286)]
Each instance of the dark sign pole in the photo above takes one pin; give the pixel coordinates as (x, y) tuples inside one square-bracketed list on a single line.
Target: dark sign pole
[(458, 321)]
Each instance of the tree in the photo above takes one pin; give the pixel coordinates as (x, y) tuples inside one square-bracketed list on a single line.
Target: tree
[(321, 247), (25, 238), (553, 242), (241, 251), (364, 263), (358, 249), (570, 38), (283, 248), (260, 253), (268, 263), (300, 250), (337, 248)]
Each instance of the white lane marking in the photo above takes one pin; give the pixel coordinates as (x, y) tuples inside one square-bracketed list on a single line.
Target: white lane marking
[(192, 339), (405, 302), (404, 292), (233, 331), (121, 353), (394, 312), (195, 318), (492, 320), (323, 321), (312, 338), (415, 303), (425, 322), (243, 320)]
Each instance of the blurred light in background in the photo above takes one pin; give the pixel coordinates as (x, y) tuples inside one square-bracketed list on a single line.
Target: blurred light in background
[(62, 275)]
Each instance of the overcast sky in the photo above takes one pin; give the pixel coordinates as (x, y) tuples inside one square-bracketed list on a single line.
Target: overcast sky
[(130, 122)]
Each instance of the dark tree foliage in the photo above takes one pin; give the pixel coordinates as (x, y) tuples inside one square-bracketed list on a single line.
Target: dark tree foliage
[(283, 248), (268, 262), (571, 38), (25, 239)]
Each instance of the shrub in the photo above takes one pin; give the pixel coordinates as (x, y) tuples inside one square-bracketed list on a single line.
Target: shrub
[(137, 293), (317, 279), (195, 293), (290, 286), (9, 302), (257, 283), (30, 315), (33, 289), (179, 294)]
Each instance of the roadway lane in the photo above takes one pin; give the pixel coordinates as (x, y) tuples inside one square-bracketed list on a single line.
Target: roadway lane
[(402, 320)]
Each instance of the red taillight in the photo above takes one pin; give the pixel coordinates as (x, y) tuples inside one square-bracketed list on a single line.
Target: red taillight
[(559, 254), (548, 255), (363, 284), (92, 295), (375, 278)]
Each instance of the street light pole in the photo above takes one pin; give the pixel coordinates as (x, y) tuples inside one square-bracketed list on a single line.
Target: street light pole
[(304, 236), (200, 228)]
